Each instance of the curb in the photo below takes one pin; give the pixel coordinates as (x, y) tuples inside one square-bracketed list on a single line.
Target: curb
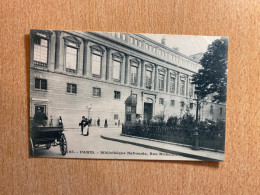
[(163, 150)]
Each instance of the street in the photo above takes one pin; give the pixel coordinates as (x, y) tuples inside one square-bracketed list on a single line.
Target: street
[(96, 147)]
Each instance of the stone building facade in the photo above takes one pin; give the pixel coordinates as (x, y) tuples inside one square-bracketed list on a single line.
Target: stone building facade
[(75, 74)]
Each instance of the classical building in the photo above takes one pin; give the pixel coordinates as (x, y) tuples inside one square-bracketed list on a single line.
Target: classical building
[(77, 73)]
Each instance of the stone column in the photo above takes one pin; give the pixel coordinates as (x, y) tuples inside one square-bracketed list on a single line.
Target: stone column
[(108, 72), (142, 74), (167, 79), (57, 50), (187, 86), (178, 83), (126, 69), (122, 72), (155, 76), (85, 56)]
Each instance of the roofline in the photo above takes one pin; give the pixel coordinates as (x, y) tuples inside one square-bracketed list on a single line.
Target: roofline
[(163, 46)]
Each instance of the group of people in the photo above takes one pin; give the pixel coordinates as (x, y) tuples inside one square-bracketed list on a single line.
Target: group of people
[(85, 123), (40, 119)]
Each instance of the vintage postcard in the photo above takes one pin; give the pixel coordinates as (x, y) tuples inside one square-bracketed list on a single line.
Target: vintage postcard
[(111, 95)]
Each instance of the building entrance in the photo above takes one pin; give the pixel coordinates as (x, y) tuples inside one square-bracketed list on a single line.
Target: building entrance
[(148, 111)]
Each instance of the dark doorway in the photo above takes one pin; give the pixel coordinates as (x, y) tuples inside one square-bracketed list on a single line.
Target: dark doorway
[(148, 111)]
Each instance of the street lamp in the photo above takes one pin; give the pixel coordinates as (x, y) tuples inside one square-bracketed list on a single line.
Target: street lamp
[(89, 108)]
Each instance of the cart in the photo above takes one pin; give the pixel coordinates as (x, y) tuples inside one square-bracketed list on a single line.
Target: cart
[(45, 137)]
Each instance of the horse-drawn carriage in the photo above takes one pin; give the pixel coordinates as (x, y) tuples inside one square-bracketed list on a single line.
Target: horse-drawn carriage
[(45, 137)]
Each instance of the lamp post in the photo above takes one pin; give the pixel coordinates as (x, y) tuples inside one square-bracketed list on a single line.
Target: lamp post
[(89, 108)]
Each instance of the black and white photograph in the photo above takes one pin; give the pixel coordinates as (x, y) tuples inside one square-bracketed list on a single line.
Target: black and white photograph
[(115, 95)]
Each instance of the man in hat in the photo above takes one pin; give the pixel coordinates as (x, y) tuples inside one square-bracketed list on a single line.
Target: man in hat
[(40, 118)]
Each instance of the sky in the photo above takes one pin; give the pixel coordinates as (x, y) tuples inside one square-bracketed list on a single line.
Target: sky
[(187, 44)]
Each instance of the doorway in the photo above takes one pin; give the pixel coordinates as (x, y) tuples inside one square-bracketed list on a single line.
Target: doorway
[(148, 111)]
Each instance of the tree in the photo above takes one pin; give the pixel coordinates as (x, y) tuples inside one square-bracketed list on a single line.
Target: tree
[(212, 78)]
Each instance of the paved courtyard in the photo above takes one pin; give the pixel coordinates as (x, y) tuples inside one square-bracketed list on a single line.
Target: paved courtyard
[(94, 146)]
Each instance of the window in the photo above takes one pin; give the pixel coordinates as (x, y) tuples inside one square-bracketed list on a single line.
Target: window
[(71, 88), (172, 103), (133, 75), (191, 90), (211, 109), (71, 59), (40, 84), (131, 40), (117, 95), (115, 116), (148, 79), (123, 37), (182, 87), (182, 104), (161, 101), (221, 111), (96, 92), (172, 85), (191, 105), (96, 64), (161, 82), (117, 62), (40, 53), (96, 60), (116, 69)]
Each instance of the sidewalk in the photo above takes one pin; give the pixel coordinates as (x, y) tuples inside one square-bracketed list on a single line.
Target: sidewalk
[(167, 147)]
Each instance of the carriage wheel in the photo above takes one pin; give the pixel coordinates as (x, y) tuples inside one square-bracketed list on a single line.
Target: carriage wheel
[(48, 145), (31, 148), (63, 144)]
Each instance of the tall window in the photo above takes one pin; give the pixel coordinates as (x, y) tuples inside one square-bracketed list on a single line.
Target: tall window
[(182, 89), (211, 109), (116, 70), (40, 84), (161, 82), (172, 103), (71, 53), (71, 88), (133, 75), (96, 92), (148, 79), (96, 59), (117, 62), (96, 64), (190, 90), (40, 53), (71, 59), (172, 85), (221, 111)]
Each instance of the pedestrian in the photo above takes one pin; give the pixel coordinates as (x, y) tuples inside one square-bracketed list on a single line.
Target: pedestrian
[(60, 124), (98, 122), (83, 123), (105, 125), (51, 122)]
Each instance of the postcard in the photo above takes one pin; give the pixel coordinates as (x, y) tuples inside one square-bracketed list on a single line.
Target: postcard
[(116, 95)]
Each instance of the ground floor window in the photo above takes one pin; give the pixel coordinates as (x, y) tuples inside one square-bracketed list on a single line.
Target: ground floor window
[(161, 101), (96, 92), (40, 84), (71, 88), (117, 95)]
